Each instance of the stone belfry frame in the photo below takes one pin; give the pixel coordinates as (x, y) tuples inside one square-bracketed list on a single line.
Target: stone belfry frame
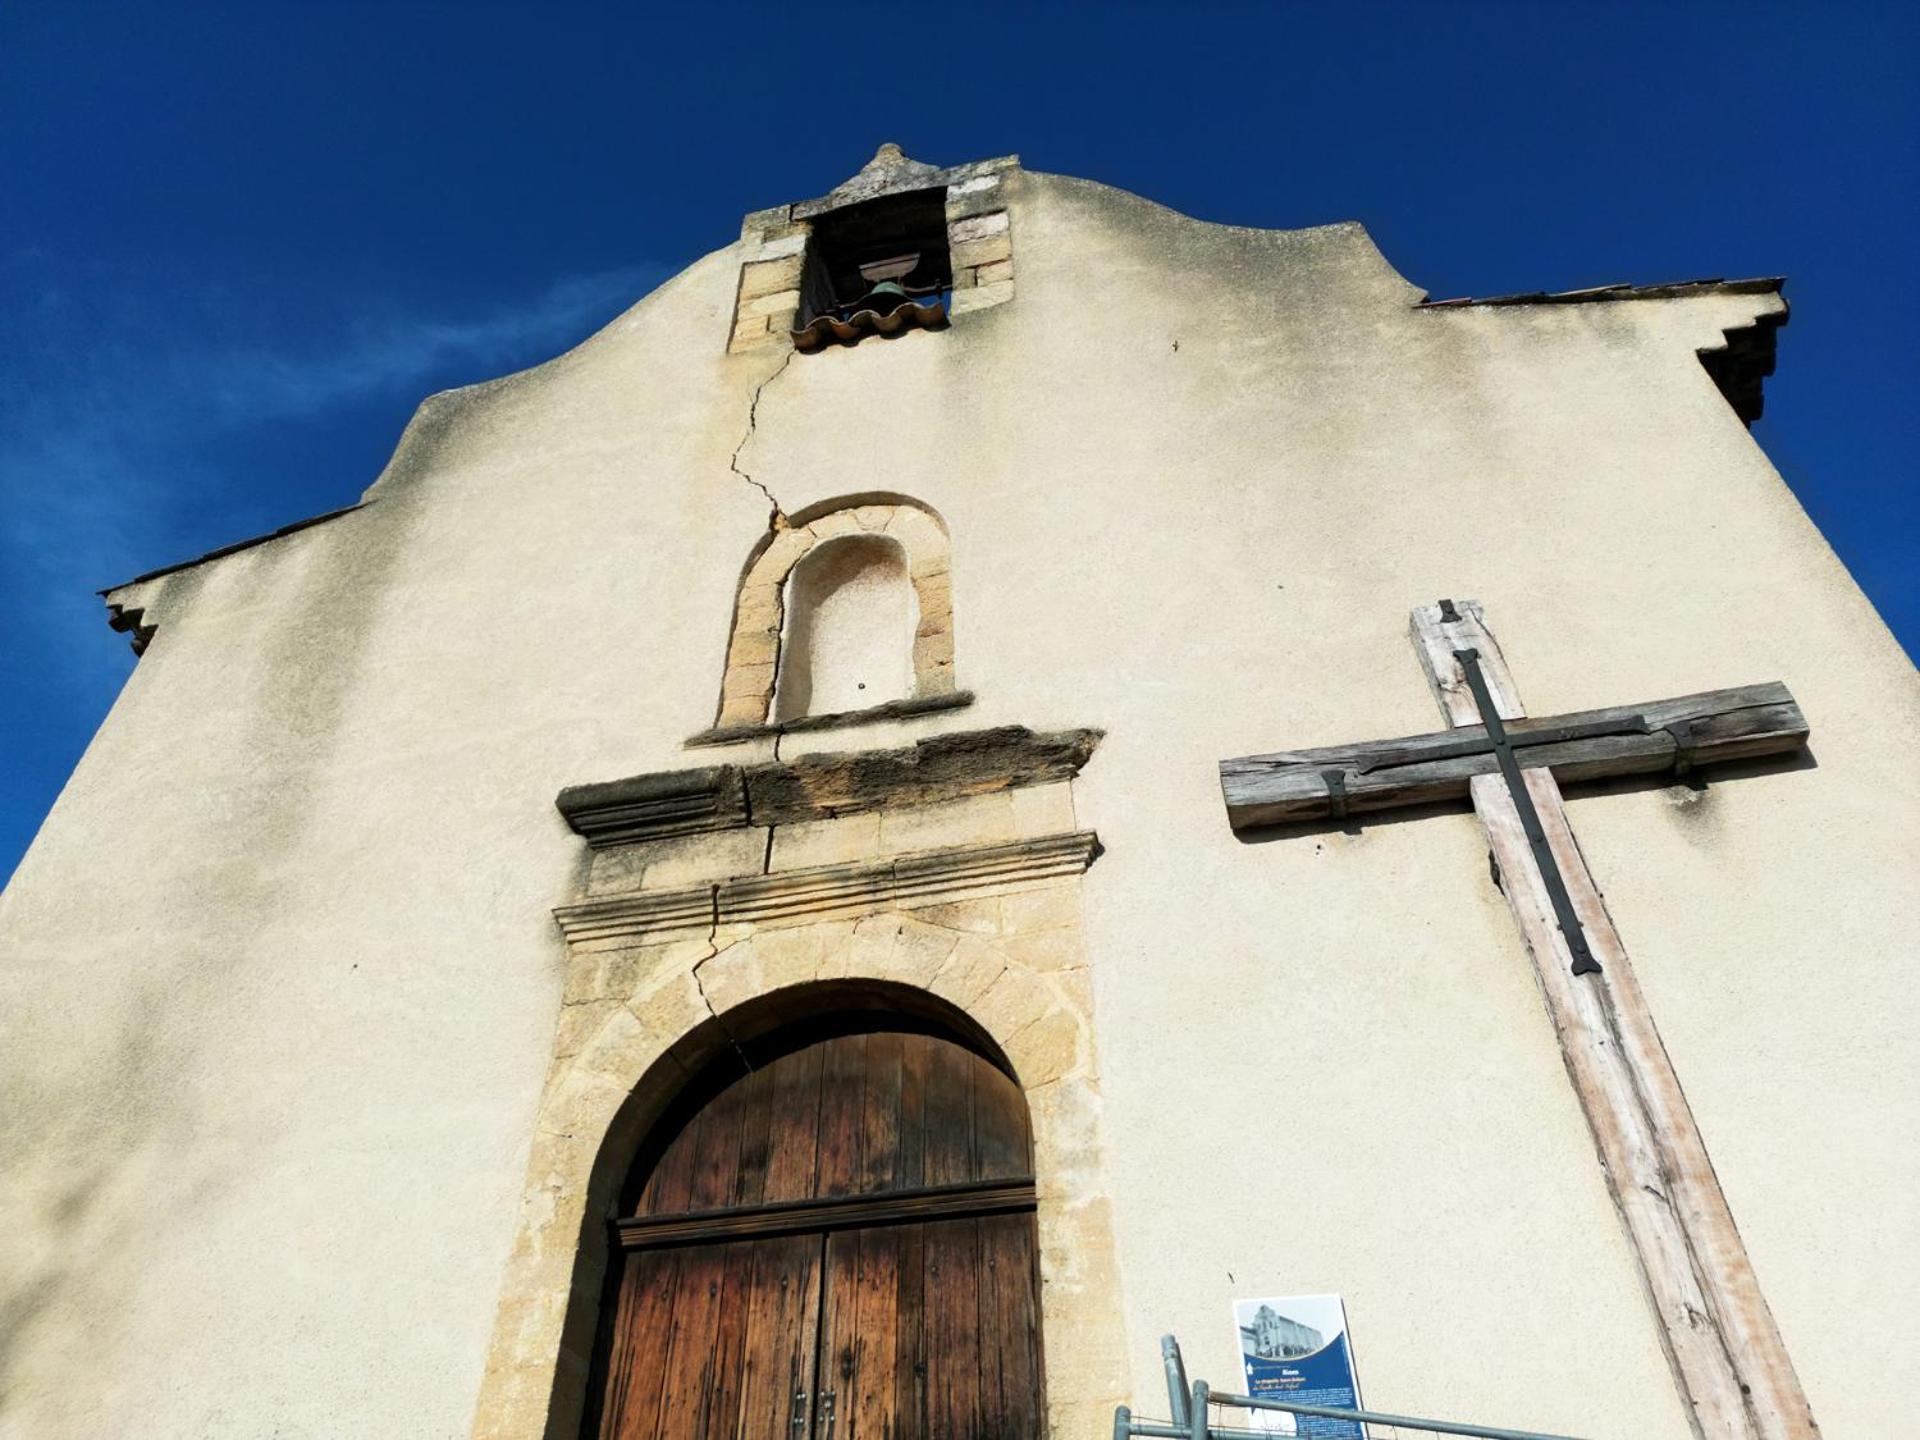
[(979, 240), (752, 673)]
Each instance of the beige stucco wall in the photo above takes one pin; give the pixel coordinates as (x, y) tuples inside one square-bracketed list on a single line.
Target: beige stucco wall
[(281, 979)]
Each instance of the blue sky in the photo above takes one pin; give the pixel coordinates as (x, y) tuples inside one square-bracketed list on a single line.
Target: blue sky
[(238, 243)]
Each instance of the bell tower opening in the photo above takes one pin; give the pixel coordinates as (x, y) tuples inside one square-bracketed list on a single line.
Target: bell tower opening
[(879, 267)]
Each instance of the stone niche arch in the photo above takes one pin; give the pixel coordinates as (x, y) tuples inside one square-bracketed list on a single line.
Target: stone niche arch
[(650, 1021), (844, 546)]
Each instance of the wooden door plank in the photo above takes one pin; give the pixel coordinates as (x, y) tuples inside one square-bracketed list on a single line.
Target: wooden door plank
[(669, 1188), (1726, 1354), (756, 1138), (952, 1307), (793, 1158), (686, 1397), (860, 1340), (1010, 1386), (911, 1405), (842, 1082), (720, 1418), (1001, 1142), (911, 1161), (781, 1332), (948, 1111), (637, 1368), (716, 1166), (879, 1167)]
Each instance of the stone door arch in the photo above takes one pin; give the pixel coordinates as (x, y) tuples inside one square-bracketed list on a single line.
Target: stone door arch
[(829, 1234)]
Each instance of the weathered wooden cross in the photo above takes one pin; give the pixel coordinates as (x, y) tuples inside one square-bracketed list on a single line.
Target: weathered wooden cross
[(1726, 1354)]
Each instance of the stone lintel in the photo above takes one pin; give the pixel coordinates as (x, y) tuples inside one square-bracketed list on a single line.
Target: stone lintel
[(814, 787)]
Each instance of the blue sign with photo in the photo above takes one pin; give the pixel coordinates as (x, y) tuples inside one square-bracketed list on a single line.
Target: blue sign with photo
[(1294, 1348)]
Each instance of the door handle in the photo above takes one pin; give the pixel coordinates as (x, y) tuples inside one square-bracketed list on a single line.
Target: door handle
[(826, 1401), (799, 1422)]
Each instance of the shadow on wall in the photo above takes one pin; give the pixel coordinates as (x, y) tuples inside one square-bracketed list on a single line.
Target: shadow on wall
[(81, 1202)]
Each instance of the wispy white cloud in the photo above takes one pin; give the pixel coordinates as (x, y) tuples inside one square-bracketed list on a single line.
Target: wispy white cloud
[(133, 412), (389, 353), (113, 414)]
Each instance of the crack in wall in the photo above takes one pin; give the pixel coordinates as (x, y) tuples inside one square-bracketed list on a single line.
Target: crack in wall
[(699, 984), (777, 515)]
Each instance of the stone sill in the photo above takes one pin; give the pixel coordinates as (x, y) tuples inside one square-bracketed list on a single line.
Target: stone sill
[(840, 720)]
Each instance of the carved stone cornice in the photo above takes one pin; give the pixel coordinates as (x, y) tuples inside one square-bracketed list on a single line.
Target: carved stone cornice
[(656, 807), (926, 877), (815, 787)]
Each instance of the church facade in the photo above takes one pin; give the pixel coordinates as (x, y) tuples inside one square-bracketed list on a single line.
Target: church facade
[(710, 902)]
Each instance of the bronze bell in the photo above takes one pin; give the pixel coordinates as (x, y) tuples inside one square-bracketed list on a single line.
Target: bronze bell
[(885, 298)]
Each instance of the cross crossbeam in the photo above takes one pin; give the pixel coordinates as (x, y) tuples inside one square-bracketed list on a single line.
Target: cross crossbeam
[(1660, 737), (1729, 1364)]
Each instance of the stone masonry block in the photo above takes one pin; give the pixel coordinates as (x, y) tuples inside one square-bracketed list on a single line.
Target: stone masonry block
[(984, 251), (742, 710), (976, 227), (1043, 907), (933, 655), (749, 680), (826, 842), (578, 1024), (991, 274), (1043, 810), (783, 302), (969, 971), (755, 646), (1047, 1049), (759, 608), (834, 524), (621, 1049), (1012, 1003), (982, 296), (1047, 950), (919, 532), (762, 222), (900, 947), (783, 552), (977, 916), (935, 593), (783, 241), (979, 196), (769, 277), (974, 820)]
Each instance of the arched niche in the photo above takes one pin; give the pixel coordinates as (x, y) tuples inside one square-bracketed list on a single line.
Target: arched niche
[(850, 619), (841, 555), (829, 1230)]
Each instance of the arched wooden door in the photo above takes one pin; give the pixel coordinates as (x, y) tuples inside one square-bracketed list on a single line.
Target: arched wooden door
[(837, 1244)]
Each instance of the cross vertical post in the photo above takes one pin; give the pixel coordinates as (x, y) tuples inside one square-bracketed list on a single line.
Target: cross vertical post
[(1726, 1354)]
